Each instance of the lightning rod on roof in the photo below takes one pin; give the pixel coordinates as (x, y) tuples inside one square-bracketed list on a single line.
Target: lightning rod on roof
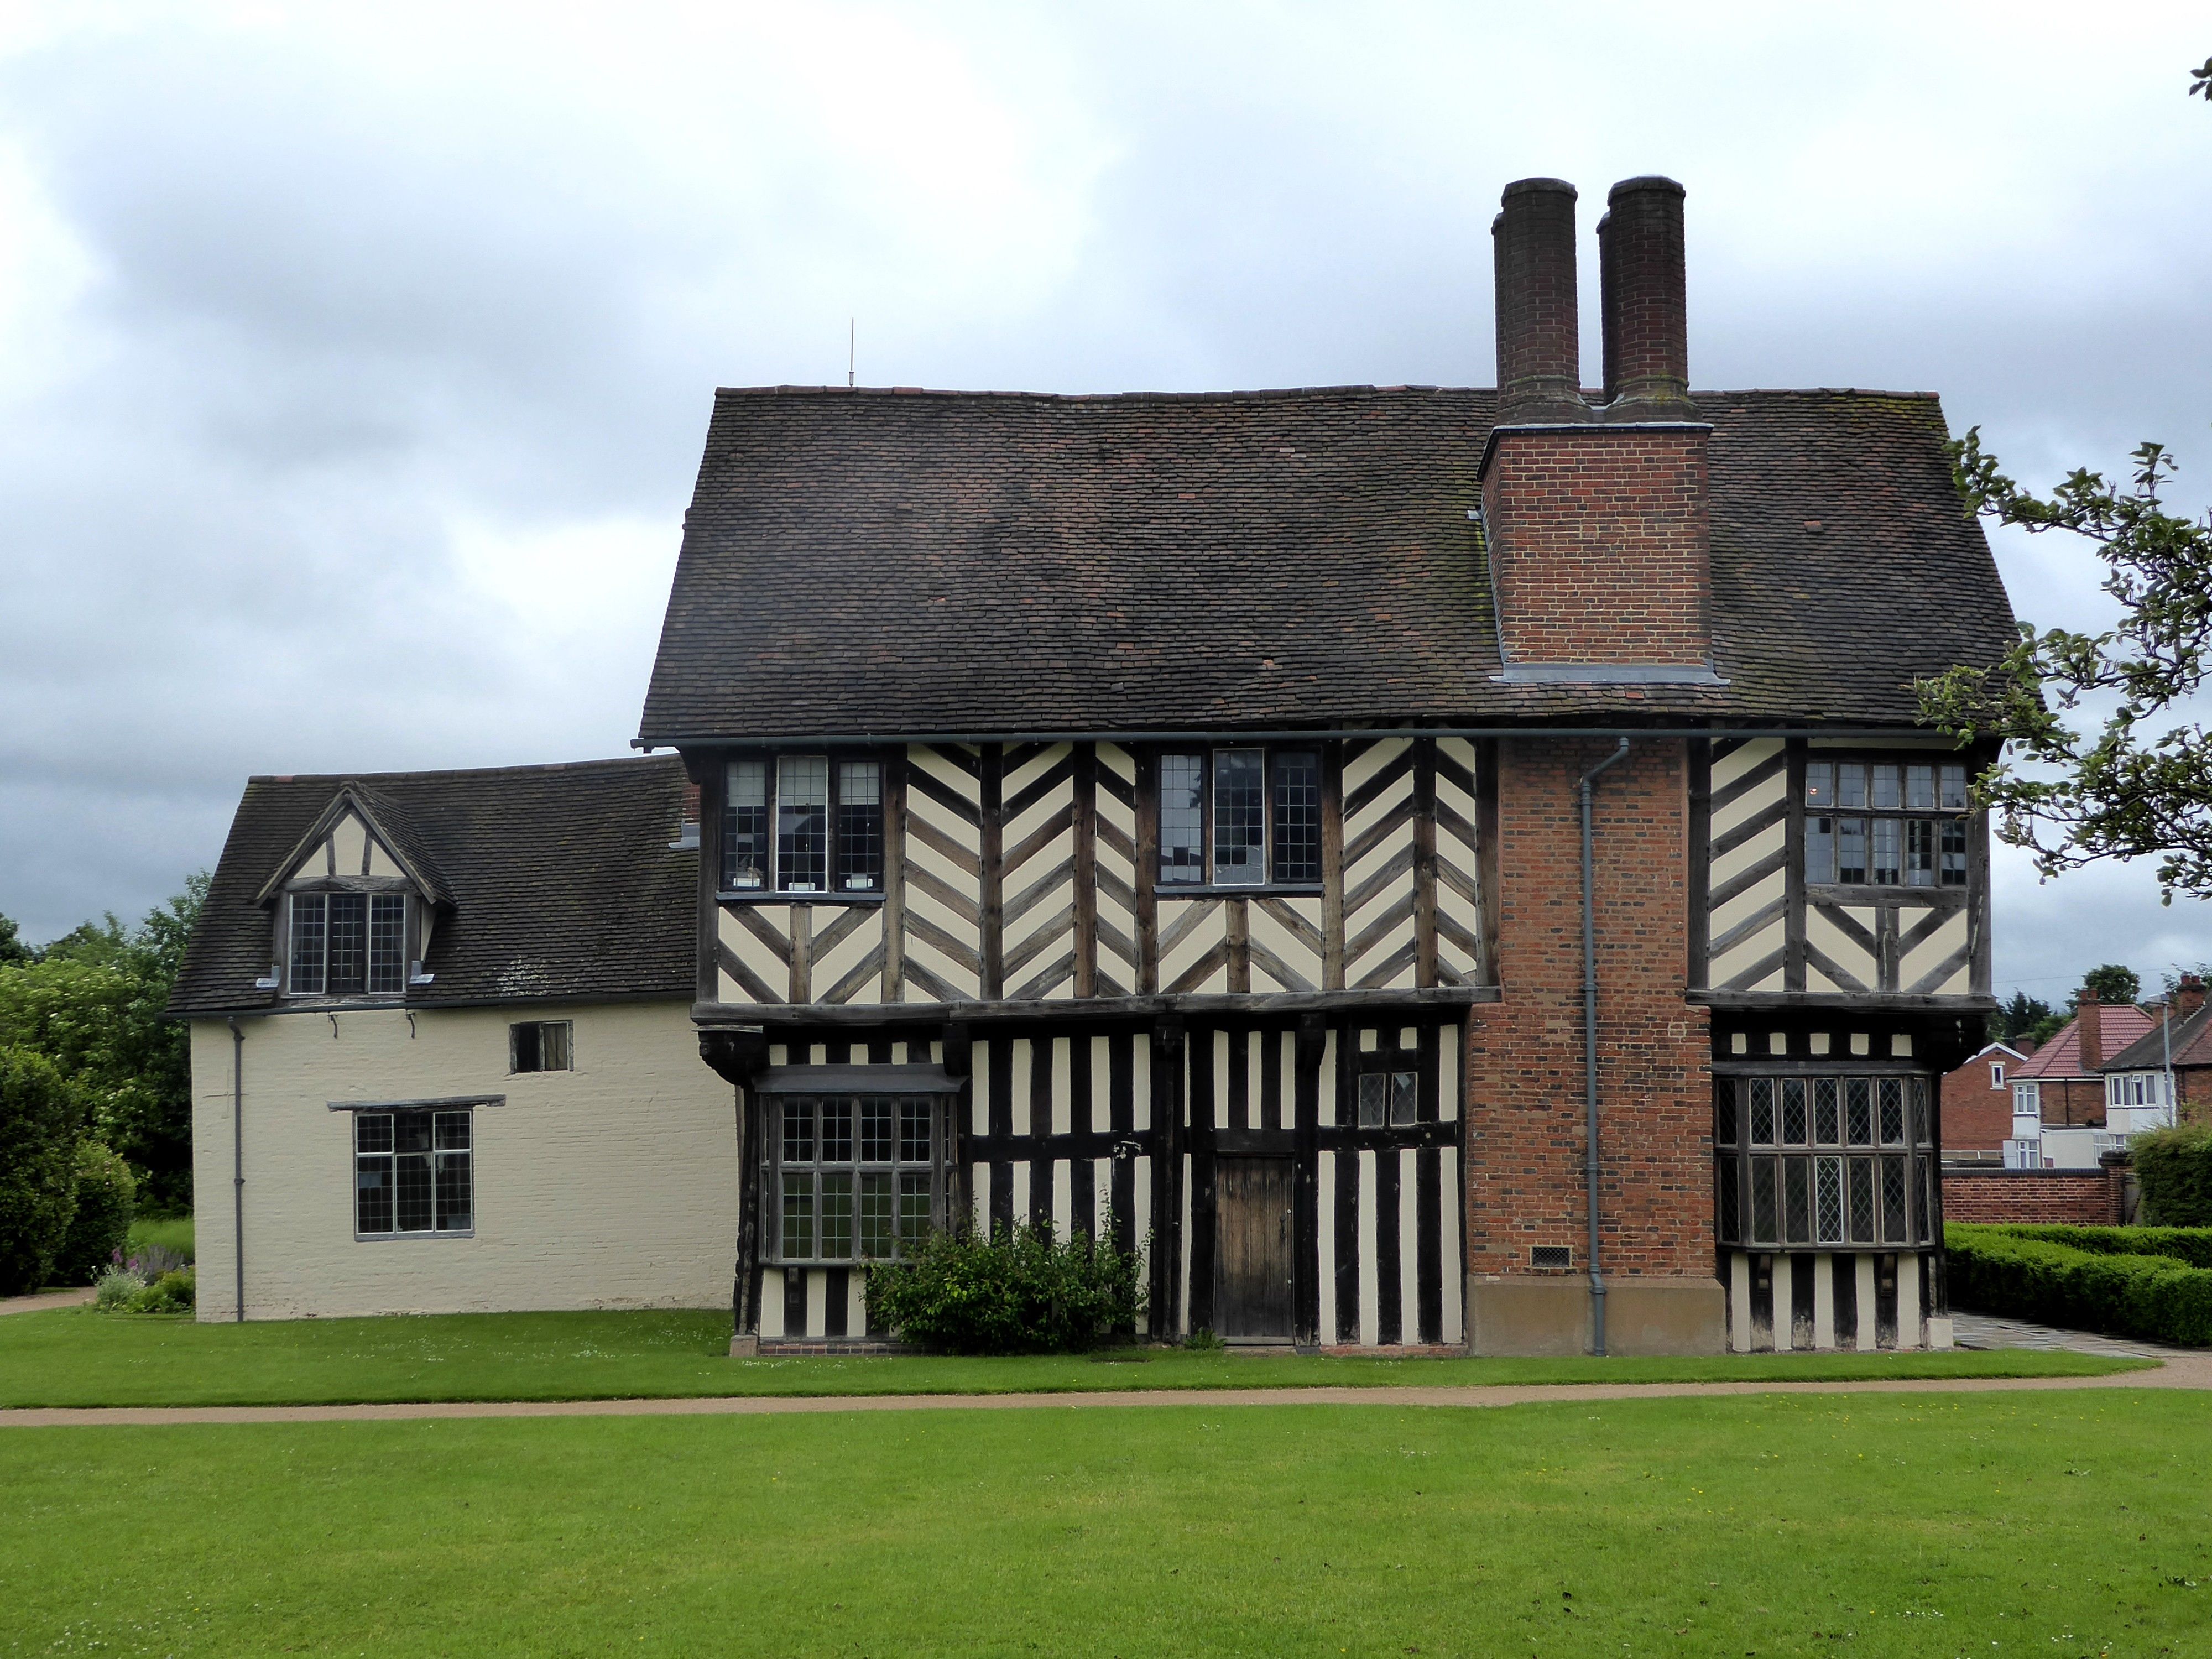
[(852, 348)]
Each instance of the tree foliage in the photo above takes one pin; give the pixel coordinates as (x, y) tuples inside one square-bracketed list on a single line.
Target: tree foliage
[(2024, 1017), (2113, 983), (2140, 785), (40, 1119), (91, 1002)]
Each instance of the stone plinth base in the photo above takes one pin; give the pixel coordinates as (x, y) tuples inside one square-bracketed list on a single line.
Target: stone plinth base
[(1545, 1317)]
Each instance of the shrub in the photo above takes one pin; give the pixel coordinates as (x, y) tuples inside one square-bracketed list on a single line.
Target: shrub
[(172, 1292), (106, 1197), (115, 1289), (40, 1116), (2192, 1245), (1019, 1290), (2152, 1297), (2175, 1168)]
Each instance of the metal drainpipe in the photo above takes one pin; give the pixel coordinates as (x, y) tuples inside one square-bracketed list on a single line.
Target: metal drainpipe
[(238, 1159), (1589, 1046)]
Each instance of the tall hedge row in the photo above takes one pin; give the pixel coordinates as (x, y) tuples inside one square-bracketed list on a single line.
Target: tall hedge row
[(2157, 1298), (2175, 1168), (40, 1119)]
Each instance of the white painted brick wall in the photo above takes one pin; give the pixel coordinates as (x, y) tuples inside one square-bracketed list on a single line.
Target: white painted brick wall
[(612, 1186)]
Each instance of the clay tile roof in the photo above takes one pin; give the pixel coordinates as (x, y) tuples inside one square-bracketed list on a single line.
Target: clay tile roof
[(2119, 1025), (560, 883), (859, 562)]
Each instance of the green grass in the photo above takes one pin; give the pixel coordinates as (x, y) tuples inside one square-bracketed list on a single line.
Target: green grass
[(80, 1357), (1992, 1524), (170, 1232)]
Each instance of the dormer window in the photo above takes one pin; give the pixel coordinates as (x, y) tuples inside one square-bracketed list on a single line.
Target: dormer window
[(348, 944), (803, 824)]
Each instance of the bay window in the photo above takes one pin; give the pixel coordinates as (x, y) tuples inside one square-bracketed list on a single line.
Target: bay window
[(854, 1177), (1824, 1162)]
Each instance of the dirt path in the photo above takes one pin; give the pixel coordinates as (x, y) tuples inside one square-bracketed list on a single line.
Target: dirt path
[(2193, 1372), (46, 1299)]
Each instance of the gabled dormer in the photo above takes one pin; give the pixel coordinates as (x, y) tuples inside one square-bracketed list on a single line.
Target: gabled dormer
[(353, 904)]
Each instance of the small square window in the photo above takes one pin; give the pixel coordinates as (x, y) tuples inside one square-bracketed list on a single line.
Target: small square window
[(540, 1045)]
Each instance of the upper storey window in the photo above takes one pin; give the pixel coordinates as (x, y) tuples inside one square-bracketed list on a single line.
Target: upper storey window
[(804, 823), (1240, 818), (348, 944), (1885, 822)]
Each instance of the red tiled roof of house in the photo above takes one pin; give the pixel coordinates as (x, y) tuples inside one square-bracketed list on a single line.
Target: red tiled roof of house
[(2119, 1025)]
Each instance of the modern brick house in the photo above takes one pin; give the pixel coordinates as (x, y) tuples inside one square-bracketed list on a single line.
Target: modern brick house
[(1976, 1096), (2060, 1092), (1431, 866)]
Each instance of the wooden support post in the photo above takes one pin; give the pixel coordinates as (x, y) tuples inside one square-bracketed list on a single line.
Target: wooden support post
[(1312, 1045), (1148, 871), (1167, 1154)]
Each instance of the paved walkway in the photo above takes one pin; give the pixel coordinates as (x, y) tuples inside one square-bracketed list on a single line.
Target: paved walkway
[(1974, 1330), (45, 1299), (2192, 1372)]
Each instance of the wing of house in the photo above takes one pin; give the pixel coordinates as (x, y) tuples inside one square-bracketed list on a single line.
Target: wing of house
[(1174, 812), (442, 1053)]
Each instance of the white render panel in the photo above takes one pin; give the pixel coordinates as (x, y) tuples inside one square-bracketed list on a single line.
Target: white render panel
[(1925, 957), (1740, 1302), (831, 967), (1744, 758), (612, 1186), (1298, 951), (1454, 1266), (1370, 1329), (1865, 1302), (349, 844), (1764, 845), (1361, 764), (1326, 1229), (1824, 1300), (1206, 922), (1830, 940), (1409, 1245)]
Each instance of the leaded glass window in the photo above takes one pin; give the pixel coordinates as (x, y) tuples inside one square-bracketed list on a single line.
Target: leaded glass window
[(805, 825), (414, 1172), (802, 824), (1788, 1185), (744, 827), (1851, 839), (1183, 818), (1240, 817), (858, 1177), (387, 944), (859, 826), (309, 914)]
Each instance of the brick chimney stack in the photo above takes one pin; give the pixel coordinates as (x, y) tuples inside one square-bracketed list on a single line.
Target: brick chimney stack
[(2188, 996), (1643, 303), (1538, 330), (1596, 525), (2089, 1015)]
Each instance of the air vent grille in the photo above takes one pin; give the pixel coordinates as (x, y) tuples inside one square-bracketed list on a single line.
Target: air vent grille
[(1551, 1255)]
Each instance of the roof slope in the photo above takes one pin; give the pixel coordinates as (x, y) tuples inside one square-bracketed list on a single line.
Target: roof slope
[(2118, 1024), (2191, 1038), (563, 884), (871, 562)]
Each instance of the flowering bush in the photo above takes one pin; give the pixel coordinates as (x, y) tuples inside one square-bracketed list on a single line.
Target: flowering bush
[(1019, 1290)]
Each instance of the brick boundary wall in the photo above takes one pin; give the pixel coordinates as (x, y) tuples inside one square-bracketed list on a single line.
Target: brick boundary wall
[(2081, 1197)]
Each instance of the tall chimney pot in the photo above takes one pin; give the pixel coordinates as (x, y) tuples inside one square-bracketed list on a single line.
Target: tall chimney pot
[(2188, 996), (1539, 344), (1644, 306)]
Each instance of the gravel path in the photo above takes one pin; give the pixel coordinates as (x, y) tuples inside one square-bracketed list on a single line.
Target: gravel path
[(46, 1299), (2191, 1371)]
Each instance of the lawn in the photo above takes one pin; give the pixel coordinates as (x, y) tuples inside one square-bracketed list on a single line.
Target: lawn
[(2055, 1524), (80, 1357)]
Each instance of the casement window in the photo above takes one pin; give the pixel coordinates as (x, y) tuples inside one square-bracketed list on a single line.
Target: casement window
[(1886, 823), (1240, 818), (345, 944), (1824, 1163), (1389, 1099), (854, 1177), (541, 1045), (413, 1173), (1996, 1074), (803, 824), (2135, 1089)]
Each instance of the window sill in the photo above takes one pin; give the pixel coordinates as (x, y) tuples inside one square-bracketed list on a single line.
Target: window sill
[(1837, 892), (760, 896), (394, 1239), (1176, 889)]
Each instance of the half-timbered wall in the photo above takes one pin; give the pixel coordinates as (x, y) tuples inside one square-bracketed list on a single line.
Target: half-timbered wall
[(1859, 1300), (1766, 929), (1074, 1127), (1026, 873)]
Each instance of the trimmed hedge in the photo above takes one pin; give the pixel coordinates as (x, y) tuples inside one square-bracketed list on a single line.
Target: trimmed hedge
[(2156, 1298), (1019, 1290), (106, 1201), (2190, 1245), (2175, 1168)]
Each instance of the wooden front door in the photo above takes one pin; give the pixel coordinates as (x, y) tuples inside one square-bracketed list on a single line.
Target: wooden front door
[(1253, 1258)]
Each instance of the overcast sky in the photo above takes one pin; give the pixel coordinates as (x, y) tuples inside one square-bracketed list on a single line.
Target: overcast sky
[(353, 363)]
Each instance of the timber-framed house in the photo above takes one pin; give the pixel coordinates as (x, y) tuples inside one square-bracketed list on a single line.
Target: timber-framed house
[(1183, 817)]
